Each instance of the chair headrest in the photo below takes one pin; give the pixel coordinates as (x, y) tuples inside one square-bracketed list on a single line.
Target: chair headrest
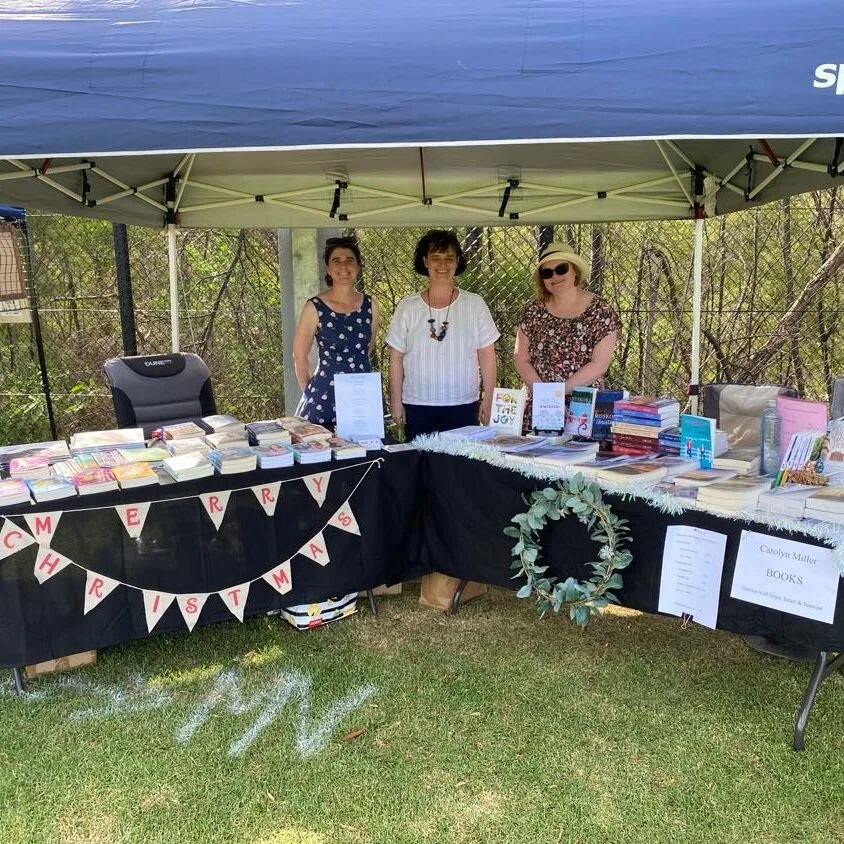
[(156, 366)]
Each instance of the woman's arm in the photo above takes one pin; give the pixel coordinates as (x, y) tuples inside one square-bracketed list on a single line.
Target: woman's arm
[(521, 357), (597, 367), (376, 318), (303, 339), (489, 373), (396, 382)]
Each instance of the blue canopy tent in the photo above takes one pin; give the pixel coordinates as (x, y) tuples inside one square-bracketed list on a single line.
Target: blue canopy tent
[(443, 112)]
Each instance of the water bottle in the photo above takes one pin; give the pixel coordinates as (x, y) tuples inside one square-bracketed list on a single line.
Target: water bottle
[(769, 440)]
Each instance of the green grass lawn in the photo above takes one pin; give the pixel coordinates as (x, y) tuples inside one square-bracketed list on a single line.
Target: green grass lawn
[(488, 726)]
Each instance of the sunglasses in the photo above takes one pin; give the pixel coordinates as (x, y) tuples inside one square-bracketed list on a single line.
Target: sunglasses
[(341, 241), (549, 272)]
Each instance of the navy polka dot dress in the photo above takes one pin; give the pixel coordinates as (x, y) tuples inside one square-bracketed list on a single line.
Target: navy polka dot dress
[(343, 343)]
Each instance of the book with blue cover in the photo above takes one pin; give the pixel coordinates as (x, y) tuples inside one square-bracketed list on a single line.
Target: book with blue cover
[(581, 411), (697, 438)]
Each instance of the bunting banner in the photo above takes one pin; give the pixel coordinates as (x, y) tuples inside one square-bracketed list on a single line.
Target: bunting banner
[(235, 598), (43, 525), (13, 539), (345, 519), (315, 549), (191, 606), (267, 495), (279, 578), (155, 605), (133, 517), (215, 504), (97, 588), (48, 563), (318, 485)]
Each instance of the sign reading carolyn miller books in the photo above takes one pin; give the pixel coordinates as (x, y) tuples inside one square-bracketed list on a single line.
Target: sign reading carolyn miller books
[(785, 575)]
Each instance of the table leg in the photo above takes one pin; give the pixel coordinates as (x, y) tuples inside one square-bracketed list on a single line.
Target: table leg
[(458, 593), (824, 666), (373, 606), (20, 683)]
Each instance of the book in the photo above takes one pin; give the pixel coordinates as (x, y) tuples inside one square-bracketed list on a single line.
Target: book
[(153, 454), (96, 480), (186, 445), (828, 499), (548, 406), (733, 495), (89, 441), (221, 422), (580, 415), (181, 431), (567, 454), (512, 442), (743, 461), (697, 438), (803, 452), (130, 475), (470, 432), (649, 405), (317, 451), (230, 461), (702, 477), (604, 405), (188, 467), (268, 431), (302, 431), (55, 450), (13, 491), (51, 489), (675, 464), (640, 472), (113, 457), (397, 448), (788, 500), (833, 454), (34, 466), (274, 455), (232, 438), (344, 449), (508, 410), (799, 415)]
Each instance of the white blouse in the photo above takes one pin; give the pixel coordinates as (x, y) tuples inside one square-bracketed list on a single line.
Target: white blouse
[(441, 372)]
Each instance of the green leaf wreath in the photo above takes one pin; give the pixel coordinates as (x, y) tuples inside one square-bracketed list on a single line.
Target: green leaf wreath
[(582, 598)]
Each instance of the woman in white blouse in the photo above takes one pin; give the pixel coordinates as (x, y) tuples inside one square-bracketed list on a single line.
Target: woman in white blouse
[(442, 346)]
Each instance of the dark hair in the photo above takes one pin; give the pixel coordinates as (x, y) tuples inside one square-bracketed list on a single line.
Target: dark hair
[(437, 240), (333, 243)]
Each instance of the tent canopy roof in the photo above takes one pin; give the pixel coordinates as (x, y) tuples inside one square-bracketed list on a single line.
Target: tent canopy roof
[(425, 113)]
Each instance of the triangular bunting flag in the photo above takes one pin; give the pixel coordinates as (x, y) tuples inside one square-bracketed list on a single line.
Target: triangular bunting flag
[(317, 485), (345, 519), (316, 550), (97, 587), (155, 604), (133, 517), (235, 599), (215, 504), (12, 539), (43, 525), (279, 578), (267, 495), (191, 606), (48, 563)]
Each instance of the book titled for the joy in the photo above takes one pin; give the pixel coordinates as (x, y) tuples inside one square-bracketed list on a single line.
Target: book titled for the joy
[(508, 410)]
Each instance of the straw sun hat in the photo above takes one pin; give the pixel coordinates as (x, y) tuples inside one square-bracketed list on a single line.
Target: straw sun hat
[(558, 251)]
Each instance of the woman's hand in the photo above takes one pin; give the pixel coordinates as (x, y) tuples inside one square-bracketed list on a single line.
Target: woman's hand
[(397, 411), (485, 409)]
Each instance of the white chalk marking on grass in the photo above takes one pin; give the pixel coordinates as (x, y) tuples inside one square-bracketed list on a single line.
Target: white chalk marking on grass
[(141, 696), (311, 736)]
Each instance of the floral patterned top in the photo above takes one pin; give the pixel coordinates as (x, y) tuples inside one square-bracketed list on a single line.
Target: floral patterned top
[(559, 346), (343, 341)]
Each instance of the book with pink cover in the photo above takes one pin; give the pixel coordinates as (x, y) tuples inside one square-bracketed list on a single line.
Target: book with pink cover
[(799, 415)]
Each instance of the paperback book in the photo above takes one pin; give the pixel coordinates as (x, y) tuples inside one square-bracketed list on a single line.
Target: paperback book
[(131, 475), (508, 410), (581, 411), (548, 409), (697, 438), (51, 489)]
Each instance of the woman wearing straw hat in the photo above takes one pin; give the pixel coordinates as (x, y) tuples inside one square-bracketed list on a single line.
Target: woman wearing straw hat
[(566, 333), (442, 345)]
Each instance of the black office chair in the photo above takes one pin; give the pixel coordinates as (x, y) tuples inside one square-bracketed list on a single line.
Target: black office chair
[(836, 402), (153, 390), (737, 409)]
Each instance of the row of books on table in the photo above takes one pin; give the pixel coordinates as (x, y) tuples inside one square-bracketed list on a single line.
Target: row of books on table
[(103, 461)]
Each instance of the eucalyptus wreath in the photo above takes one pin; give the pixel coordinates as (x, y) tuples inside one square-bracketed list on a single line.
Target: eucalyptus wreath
[(582, 598)]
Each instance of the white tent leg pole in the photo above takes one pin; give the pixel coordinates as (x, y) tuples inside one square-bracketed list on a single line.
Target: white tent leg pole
[(174, 288), (697, 272)]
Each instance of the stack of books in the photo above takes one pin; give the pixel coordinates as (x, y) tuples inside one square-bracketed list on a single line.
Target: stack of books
[(311, 452), (826, 504), (638, 422), (636, 473), (55, 450), (153, 454), (788, 500), (669, 440), (188, 467), (743, 461), (187, 445), (602, 420), (13, 492), (676, 465), (230, 461), (302, 431), (274, 456), (565, 454), (513, 443), (267, 432), (222, 423), (343, 449), (477, 433), (703, 477), (114, 457), (228, 439), (51, 489), (95, 480), (90, 442), (29, 468), (603, 460), (73, 466), (131, 475), (180, 431), (736, 495)]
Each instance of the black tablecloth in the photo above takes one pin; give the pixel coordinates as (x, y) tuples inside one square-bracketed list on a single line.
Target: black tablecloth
[(180, 551), (468, 503)]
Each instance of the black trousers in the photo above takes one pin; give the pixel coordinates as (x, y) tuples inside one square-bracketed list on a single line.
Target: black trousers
[(431, 418)]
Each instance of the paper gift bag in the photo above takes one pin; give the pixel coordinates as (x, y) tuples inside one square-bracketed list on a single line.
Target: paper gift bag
[(438, 591)]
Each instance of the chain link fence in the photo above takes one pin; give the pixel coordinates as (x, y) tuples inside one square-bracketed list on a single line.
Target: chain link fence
[(771, 304)]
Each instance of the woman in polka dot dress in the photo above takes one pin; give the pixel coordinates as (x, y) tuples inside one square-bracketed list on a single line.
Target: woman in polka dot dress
[(343, 322)]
